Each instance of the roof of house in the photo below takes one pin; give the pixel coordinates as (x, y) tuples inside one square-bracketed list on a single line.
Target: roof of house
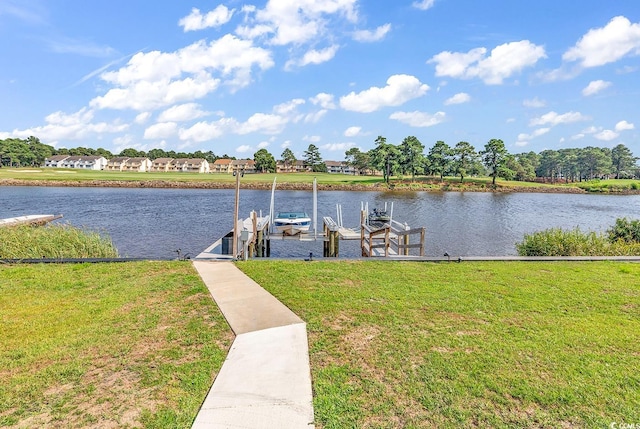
[(84, 158), (162, 160), (222, 161), (119, 159), (243, 162), (333, 163), (137, 159), (57, 158)]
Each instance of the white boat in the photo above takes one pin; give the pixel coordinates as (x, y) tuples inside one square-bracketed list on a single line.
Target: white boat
[(292, 223), (28, 220)]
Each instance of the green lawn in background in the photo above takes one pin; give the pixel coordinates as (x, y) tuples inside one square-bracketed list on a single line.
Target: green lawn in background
[(495, 344)]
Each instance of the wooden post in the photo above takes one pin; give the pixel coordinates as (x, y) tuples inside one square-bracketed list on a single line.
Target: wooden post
[(337, 243), (406, 243), (422, 242), (386, 241), (235, 215), (325, 241)]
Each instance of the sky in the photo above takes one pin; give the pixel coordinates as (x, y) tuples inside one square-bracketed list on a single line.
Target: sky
[(234, 77)]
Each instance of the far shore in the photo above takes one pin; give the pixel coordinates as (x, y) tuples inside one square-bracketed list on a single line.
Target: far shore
[(404, 186)]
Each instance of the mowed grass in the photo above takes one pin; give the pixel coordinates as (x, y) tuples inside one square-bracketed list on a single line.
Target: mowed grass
[(106, 345), (57, 174), (421, 345)]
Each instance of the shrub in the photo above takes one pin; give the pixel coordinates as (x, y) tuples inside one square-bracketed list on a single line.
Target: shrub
[(625, 230), (635, 185), (53, 241), (559, 242)]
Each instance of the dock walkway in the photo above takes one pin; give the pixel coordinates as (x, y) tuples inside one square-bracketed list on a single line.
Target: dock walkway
[(265, 382)]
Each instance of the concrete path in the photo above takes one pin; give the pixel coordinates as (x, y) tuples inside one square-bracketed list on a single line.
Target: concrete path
[(265, 381)]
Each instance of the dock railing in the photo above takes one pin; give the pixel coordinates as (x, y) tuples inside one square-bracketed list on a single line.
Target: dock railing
[(392, 239), (401, 239), (374, 238)]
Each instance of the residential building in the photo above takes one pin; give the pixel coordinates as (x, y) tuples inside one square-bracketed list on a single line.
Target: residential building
[(140, 164), (339, 167), (55, 161), (246, 165), (117, 163), (85, 162), (282, 167), (221, 166), (192, 165), (161, 164)]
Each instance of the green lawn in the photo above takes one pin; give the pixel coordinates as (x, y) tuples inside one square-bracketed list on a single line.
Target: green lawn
[(422, 345), (106, 345)]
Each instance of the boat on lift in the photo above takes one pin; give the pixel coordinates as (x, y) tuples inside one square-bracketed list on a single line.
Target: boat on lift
[(292, 223)]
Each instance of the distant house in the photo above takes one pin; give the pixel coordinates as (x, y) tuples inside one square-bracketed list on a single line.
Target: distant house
[(191, 165), (339, 167), (221, 166), (161, 164), (140, 164), (299, 166), (117, 163), (55, 161), (284, 167), (85, 162), (247, 165)]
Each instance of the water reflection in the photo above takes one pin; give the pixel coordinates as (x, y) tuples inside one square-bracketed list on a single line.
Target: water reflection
[(155, 222)]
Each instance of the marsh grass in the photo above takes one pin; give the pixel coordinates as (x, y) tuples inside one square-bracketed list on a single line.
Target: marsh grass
[(422, 345), (575, 242), (53, 241), (106, 345)]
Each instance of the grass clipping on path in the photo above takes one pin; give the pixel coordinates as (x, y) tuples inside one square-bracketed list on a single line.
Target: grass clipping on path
[(106, 345), (422, 345), (53, 241)]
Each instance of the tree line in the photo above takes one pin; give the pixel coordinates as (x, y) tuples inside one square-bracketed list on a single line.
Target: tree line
[(32, 152), (463, 160), (404, 159)]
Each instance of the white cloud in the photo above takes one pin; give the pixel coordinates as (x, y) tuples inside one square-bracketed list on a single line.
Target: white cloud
[(324, 100), (162, 130), (182, 113), (313, 57), (263, 123), (311, 139), (521, 143), (419, 119), (503, 62), (400, 89), (591, 130), (332, 147), (607, 44), (156, 79), (206, 131), (75, 126), (553, 118), (624, 125), (315, 117), (577, 136), (244, 149), (594, 87), (142, 118), (263, 145), (289, 107), (372, 36), (606, 135), (536, 133), (297, 22), (423, 4), (534, 103), (352, 131), (459, 98), (215, 18), (286, 144)]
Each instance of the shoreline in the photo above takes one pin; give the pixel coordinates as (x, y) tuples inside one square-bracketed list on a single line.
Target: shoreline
[(293, 186)]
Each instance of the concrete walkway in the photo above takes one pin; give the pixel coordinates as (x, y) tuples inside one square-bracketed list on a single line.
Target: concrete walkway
[(265, 381)]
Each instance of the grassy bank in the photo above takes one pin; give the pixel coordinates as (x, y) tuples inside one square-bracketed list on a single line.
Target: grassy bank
[(70, 177), (53, 241), (108, 345), (422, 345)]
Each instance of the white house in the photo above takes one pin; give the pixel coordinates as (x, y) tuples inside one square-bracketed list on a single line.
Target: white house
[(88, 162), (140, 164), (55, 161), (192, 165)]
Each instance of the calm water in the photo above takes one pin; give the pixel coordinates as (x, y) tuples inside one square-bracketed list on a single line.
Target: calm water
[(154, 223)]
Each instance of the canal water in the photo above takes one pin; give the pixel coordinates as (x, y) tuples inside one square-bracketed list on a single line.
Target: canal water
[(155, 223)]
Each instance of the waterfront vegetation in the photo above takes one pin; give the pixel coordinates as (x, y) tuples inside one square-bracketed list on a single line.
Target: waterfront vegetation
[(622, 239), (106, 345), (515, 344), (53, 241), (71, 177)]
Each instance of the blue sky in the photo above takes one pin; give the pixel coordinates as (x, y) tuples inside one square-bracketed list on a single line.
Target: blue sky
[(234, 77)]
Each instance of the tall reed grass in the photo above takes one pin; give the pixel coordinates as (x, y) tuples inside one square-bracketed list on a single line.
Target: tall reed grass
[(54, 241), (575, 242)]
